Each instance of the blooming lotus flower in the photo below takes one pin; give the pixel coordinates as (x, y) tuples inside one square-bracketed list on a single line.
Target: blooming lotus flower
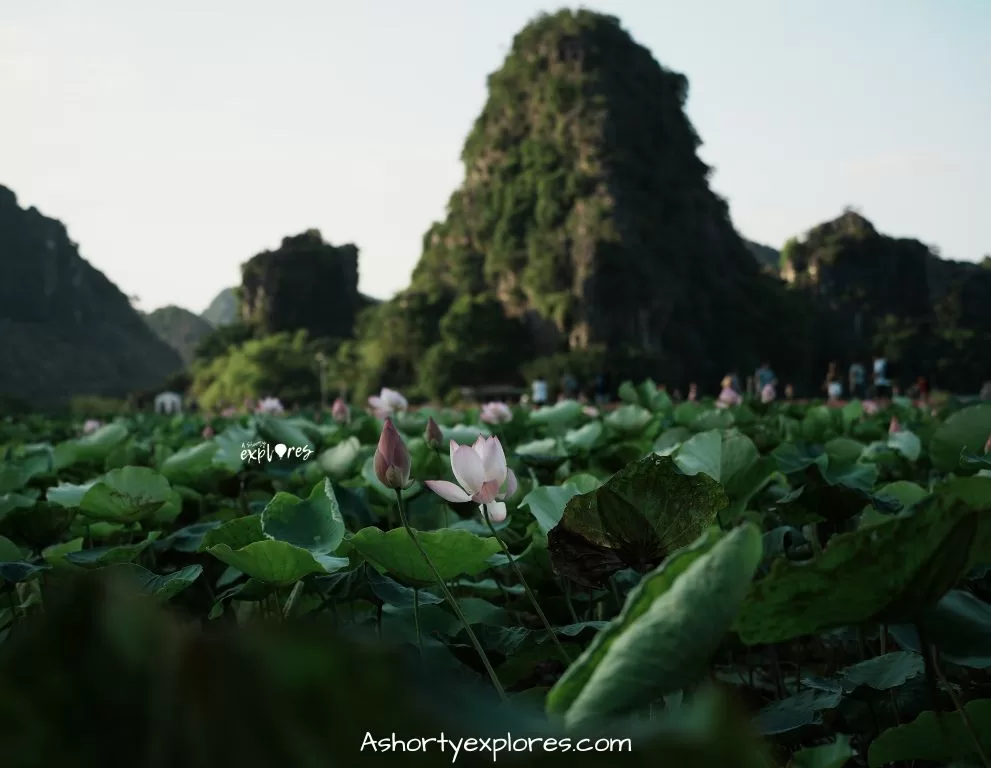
[(91, 425), (207, 432), (496, 413), (432, 434), (387, 402), (482, 476), (591, 411), (392, 460), (270, 405), (894, 426), (340, 411)]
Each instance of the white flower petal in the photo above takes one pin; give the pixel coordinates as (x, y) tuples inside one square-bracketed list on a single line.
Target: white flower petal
[(468, 469)]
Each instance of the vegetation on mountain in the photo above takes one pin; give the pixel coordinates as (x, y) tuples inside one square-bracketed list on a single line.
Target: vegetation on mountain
[(65, 328), (179, 328)]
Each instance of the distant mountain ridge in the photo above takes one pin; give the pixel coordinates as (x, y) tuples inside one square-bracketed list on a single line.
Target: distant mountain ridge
[(179, 328), (65, 329), (223, 310)]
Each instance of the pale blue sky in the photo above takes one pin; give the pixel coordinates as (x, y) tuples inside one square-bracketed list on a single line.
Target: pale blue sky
[(177, 139)]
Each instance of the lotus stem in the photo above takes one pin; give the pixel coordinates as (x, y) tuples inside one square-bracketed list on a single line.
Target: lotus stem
[(529, 592), (450, 599)]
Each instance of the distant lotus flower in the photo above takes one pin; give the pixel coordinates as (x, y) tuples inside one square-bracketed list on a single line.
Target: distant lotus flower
[(870, 407), (496, 413), (591, 411), (340, 411), (482, 476), (270, 405), (987, 445), (229, 412), (208, 432), (894, 426), (387, 402), (392, 459), (768, 393), (432, 434), (91, 425)]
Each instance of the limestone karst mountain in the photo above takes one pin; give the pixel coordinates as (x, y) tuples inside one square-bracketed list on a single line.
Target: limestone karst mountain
[(928, 315), (65, 329), (585, 221)]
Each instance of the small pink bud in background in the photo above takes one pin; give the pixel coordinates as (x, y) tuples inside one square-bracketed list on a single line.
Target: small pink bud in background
[(91, 425), (433, 435), (340, 411), (894, 426), (591, 411), (208, 432), (987, 445), (392, 459)]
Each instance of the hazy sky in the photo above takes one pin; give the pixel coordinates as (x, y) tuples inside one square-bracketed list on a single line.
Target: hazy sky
[(177, 139)]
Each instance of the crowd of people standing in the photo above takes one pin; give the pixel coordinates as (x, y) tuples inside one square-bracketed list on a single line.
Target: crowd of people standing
[(859, 382)]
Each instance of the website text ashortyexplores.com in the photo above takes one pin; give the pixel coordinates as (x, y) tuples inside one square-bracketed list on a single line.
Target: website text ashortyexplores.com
[(492, 746)]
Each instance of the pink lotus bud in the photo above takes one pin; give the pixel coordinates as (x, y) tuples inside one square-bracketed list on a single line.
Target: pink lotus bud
[(392, 459), (987, 445), (894, 426), (91, 425), (433, 435), (208, 432), (340, 411)]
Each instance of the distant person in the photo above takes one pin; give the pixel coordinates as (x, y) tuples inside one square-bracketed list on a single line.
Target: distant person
[(734, 383), (834, 388), (569, 386), (728, 396), (768, 393), (764, 376), (539, 392), (693, 392), (882, 384), (601, 388), (858, 380)]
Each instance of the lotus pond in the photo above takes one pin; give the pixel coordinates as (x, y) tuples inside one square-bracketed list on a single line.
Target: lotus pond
[(791, 584)]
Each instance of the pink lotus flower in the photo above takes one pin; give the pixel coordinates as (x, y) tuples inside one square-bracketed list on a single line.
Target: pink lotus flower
[(987, 445), (392, 459), (768, 393), (91, 425), (591, 411), (482, 476), (270, 405), (340, 411), (387, 402), (229, 412), (496, 413), (870, 407), (894, 426), (208, 432)]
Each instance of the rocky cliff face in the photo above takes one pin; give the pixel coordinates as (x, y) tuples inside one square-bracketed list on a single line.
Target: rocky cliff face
[(305, 284), (586, 212), (896, 297), (65, 329)]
